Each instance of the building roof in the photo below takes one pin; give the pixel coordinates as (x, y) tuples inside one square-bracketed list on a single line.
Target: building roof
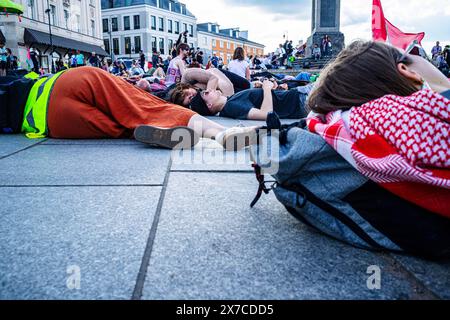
[(169, 5), (203, 27)]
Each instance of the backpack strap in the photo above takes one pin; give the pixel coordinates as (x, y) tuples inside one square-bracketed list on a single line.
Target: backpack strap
[(344, 219)]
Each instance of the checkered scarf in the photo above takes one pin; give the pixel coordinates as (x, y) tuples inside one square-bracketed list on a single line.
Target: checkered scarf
[(401, 143)]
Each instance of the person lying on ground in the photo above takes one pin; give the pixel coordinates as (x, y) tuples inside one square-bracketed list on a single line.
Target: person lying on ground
[(387, 112), (89, 103), (251, 104)]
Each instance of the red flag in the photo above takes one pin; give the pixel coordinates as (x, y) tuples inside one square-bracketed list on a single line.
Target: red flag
[(383, 30), (400, 39), (379, 29)]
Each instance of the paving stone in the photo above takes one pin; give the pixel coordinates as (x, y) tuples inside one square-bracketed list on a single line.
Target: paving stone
[(98, 142), (435, 275), (15, 142), (209, 155), (85, 165), (47, 233), (211, 245)]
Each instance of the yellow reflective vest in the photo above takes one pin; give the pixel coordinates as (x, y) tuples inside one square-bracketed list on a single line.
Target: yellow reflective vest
[(35, 113)]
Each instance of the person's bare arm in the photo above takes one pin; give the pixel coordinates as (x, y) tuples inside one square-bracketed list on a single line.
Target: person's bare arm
[(266, 106), (202, 77), (181, 66), (247, 73)]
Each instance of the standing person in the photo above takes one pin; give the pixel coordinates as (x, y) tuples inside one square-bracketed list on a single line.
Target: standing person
[(280, 52), (436, 50), (3, 58), (73, 60), (155, 57), (199, 58), (238, 65), (220, 63), (94, 61), (142, 59), (177, 66), (215, 60), (11, 60), (80, 59), (166, 63), (34, 60)]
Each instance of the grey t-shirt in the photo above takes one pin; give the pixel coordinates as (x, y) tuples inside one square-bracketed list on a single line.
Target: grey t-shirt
[(289, 104)]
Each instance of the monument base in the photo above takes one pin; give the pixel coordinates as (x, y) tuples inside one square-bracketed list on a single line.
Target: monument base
[(337, 41)]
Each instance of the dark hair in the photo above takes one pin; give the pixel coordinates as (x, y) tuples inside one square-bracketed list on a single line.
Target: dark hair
[(176, 95), (239, 54), (182, 46), (362, 72)]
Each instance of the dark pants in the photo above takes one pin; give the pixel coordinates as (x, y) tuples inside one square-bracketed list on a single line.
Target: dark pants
[(238, 82)]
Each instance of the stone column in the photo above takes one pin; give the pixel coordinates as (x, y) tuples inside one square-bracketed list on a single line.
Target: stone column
[(326, 21)]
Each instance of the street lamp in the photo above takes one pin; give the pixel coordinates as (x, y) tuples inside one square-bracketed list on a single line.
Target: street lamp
[(111, 51), (50, 33)]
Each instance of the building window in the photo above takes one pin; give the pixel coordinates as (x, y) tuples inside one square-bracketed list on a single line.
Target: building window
[(161, 45), (164, 4), (161, 24), (126, 23), (66, 19), (177, 27), (77, 23), (221, 43), (105, 25), (185, 27), (169, 26), (170, 45), (31, 9), (153, 22), (107, 47), (93, 28), (116, 46), (214, 43), (205, 40), (127, 45), (228, 45), (137, 22), (53, 15), (154, 49), (137, 44), (191, 30), (114, 24)]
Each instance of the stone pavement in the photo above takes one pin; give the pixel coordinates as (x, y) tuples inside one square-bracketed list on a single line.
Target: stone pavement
[(114, 219)]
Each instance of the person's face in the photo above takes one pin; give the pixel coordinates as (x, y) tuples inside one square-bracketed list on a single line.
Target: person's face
[(421, 69), (189, 94), (211, 98), (184, 52), (437, 43)]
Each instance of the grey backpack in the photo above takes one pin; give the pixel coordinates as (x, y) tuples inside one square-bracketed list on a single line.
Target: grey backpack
[(324, 191)]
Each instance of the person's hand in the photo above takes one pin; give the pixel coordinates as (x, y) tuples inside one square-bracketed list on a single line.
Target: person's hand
[(267, 85), (257, 84)]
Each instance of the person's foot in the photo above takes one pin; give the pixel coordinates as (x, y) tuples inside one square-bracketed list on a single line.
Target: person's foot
[(237, 138), (170, 138)]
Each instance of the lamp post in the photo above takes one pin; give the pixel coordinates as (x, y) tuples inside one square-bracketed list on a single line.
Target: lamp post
[(50, 33), (111, 50)]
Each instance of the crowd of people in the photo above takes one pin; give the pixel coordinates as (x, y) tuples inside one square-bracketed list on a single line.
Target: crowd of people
[(441, 58), (384, 110)]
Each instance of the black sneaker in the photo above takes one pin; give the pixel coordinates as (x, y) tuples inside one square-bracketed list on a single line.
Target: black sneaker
[(170, 138)]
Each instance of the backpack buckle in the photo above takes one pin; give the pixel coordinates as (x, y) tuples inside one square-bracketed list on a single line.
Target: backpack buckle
[(262, 185)]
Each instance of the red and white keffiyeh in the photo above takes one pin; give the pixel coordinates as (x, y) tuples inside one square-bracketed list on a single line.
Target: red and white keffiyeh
[(402, 143)]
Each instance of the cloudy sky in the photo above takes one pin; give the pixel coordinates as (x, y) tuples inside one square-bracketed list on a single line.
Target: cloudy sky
[(268, 20)]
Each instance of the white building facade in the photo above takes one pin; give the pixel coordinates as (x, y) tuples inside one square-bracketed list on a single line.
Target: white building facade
[(74, 25), (146, 25)]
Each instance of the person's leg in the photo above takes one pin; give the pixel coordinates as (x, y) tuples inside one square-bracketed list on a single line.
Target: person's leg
[(239, 83)]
